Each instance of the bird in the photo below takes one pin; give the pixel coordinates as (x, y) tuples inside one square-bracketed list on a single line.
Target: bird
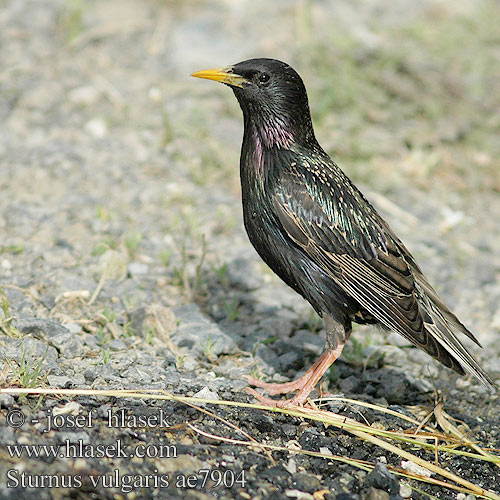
[(314, 228)]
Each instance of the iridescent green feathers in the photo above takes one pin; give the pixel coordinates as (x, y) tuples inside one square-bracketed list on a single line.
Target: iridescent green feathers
[(329, 219)]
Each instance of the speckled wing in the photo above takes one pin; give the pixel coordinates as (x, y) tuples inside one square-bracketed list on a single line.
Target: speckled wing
[(334, 225)]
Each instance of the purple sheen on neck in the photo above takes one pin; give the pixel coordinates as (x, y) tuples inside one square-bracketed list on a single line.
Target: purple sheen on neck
[(258, 147), (267, 137)]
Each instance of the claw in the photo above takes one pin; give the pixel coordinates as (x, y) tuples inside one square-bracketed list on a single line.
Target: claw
[(304, 385), (273, 403)]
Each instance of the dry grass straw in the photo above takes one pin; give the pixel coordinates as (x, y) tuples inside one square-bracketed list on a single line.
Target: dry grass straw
[(424, 437)]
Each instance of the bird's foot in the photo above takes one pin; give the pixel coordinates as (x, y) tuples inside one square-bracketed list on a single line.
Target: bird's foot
[(304, 385), (296, 401), (286, 388), (294, 385)]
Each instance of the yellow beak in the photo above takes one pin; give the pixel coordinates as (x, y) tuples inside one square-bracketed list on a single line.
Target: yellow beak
[(223, 75)]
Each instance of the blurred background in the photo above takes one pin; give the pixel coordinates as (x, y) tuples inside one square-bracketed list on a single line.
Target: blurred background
[(107, 145)]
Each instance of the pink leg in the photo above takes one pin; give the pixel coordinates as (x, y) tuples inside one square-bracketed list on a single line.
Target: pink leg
[(304, 384), (287, 387)]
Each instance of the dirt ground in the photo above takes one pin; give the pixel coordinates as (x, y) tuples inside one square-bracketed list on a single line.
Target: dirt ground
[(124, 263)]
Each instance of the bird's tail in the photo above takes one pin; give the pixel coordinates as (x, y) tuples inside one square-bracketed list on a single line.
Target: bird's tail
[(443, 326)]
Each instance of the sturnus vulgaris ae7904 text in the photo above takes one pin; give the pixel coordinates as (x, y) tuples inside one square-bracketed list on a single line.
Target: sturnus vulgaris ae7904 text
[(320, 235)]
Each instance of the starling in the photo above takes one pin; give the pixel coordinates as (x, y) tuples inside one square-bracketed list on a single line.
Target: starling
[(320, 235)]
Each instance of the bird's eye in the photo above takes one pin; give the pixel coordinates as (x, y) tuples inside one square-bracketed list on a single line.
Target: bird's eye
[(263, 78)]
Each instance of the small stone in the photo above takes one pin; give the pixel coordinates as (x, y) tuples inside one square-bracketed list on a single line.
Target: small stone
[(140, 374), (80, 464), (155, 94), (59, 381), (381, 479), (6, 264), (137, 269), (206, 393), (84, 95), (306, 482), (28, 347), (271, 298), (376, 494), (347, 496), (349, 384), (74, 436), (291, 467), (395, 386), (71, 407), (181, 463), (393, 355), (92, 343), (51, 367), (415, 468), (73, 327), (299, 495), (405, 490), (117, 345), (69, 344), (48, 300), (106, 372), (268, 356), (346, 479), (374, 356), (243, 273), (289, 430), (308, 341), (90, 375), (199, 333), (6, 400), (325, 451), (154, 317), (97, 128)]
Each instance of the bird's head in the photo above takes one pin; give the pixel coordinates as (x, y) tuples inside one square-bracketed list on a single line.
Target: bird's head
[(273, 99)]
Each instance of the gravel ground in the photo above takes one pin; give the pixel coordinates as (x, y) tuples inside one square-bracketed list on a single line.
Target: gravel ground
[(124, 263)]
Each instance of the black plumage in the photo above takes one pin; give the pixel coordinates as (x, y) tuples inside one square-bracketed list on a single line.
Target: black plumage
[(321, 236)]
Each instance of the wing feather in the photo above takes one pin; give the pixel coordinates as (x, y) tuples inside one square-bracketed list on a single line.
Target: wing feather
[(364, 257)]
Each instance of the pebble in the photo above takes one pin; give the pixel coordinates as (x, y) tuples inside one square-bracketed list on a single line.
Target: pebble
[(200, 334), (137, 268), (269, 357), (244, 274), (299, 495), (117, 345), (376, 494), (207, 393), (84, 95), (59, 381), (71, 407), (405, 490), (381, 479), (415, 468), (73, 327), (291, 466), (306, 482), (349, 385), (69, 344), (97, 127), (6, 400), (15, 349)]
